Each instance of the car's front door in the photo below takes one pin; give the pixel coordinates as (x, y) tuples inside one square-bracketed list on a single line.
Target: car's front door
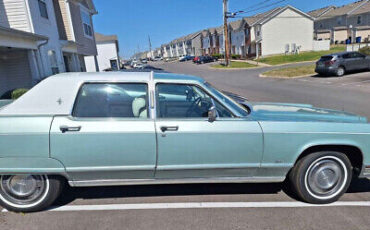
[(361, 61), (190, 146), (109, 135)]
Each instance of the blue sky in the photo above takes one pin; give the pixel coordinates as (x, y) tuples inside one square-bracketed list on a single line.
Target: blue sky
[(165, 20)]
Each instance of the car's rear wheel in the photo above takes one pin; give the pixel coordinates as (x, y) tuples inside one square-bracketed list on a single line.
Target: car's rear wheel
[(340, 71), (321, 177), (28, 193)]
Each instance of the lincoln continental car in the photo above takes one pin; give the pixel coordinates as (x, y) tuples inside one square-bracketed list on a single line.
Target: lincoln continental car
[(105, 129)]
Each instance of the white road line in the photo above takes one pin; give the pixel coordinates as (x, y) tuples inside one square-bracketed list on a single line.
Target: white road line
[(198, 205)]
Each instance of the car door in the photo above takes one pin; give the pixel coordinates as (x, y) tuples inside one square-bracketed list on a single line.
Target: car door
[(109, 135), (361, 61), (190, 146), (352, 61)]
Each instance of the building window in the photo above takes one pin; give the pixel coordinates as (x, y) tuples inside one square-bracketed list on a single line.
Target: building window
[(321, 25), (359, 20), (86, 23), (43, 9), (339, 20)]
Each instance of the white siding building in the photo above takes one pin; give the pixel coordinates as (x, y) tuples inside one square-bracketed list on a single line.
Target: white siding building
[(31, 43), (288, 27), (108, 54)]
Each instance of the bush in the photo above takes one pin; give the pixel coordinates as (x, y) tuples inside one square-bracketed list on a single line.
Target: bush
[(18, 93), (365, 50), (235, 56), (217, 56)]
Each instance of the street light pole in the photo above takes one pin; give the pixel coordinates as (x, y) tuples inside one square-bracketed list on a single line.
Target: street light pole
[(226, 35)]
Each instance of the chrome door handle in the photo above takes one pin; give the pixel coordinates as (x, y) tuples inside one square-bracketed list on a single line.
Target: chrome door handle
[(169, 128), (65, 128)]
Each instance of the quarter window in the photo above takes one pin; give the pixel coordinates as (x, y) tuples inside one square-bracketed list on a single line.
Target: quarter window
[(43, 9), (185, 101), (86, 23), (112, 100)]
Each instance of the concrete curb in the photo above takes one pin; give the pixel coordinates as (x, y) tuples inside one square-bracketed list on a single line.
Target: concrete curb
[(227, 69), (281, 77)]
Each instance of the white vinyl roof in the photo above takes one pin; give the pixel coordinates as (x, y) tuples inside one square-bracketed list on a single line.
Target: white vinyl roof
[(56, 94)]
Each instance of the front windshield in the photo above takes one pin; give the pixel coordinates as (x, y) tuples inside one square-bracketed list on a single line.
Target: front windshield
[(227, 100)]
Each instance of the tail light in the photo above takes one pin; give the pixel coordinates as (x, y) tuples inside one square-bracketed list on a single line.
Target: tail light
[(329, 63)]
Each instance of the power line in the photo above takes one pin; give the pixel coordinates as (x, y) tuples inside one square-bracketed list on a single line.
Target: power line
[(255, 5), (259, 8)]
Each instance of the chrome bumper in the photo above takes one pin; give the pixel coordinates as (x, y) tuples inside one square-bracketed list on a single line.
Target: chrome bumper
[(366, 171)]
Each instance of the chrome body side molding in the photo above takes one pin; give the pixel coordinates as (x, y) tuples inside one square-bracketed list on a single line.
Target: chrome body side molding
[(118, 182)]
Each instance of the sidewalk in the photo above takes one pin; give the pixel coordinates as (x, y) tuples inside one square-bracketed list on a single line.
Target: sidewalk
[(250, 62)]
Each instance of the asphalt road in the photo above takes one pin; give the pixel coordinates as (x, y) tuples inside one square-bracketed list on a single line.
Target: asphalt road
[(219, 206), (350, 93)]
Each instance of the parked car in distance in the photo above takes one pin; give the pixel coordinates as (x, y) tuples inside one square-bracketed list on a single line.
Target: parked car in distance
[(160, 128), (340, 63), (186, 58), (144, 61), (204, 59), (195, 59), (157, 58)]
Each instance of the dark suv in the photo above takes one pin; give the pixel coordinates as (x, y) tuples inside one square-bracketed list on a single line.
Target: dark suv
[(340, 63)]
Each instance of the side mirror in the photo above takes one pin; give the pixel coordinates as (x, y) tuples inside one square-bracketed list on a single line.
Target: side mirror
[(212, 114)]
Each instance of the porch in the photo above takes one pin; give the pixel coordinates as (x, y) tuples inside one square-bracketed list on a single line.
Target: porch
[(21, 64)]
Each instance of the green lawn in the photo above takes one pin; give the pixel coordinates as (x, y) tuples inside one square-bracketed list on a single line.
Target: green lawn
[(234, 64), (303, 56), (291, 72)]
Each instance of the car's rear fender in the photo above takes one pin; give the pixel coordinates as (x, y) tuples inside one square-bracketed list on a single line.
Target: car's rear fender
[(50, 166), (24, 136)]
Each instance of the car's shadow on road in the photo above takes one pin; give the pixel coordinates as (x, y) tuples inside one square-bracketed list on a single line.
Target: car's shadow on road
[(71, 194), (334, 76)]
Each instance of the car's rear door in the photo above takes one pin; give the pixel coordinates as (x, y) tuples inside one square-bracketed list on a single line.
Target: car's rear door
[(109, 135), (189, 146)]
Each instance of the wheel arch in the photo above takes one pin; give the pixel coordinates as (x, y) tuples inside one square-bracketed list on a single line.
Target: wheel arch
[(354, 153)]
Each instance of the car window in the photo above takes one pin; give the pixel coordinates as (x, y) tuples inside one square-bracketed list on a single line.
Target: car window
[(112, 100), (326, 58), (185, 101), (358, 55)]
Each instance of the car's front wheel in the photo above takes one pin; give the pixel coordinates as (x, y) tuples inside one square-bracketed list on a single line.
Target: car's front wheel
[(28, 193), (321, 177)]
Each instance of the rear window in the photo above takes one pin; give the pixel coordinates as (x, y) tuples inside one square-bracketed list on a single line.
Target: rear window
[(326, 58), (112, 100)]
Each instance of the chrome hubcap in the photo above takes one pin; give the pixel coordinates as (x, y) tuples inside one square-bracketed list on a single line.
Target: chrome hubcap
[(326, 177), (340, 71), (22, 186), (22, 189)]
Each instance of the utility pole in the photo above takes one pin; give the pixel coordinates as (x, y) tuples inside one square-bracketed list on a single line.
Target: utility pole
[(226, 35), (150, 46)]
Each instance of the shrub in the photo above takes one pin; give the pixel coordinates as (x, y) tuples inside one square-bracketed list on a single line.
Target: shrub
[(218, 56), (365, 50), (18, 93), (235, 56)]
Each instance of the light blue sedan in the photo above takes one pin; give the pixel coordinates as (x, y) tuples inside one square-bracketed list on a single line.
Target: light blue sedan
[(104, 129)]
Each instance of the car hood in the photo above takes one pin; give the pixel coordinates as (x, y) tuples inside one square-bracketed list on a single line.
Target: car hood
[(301, 112)]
